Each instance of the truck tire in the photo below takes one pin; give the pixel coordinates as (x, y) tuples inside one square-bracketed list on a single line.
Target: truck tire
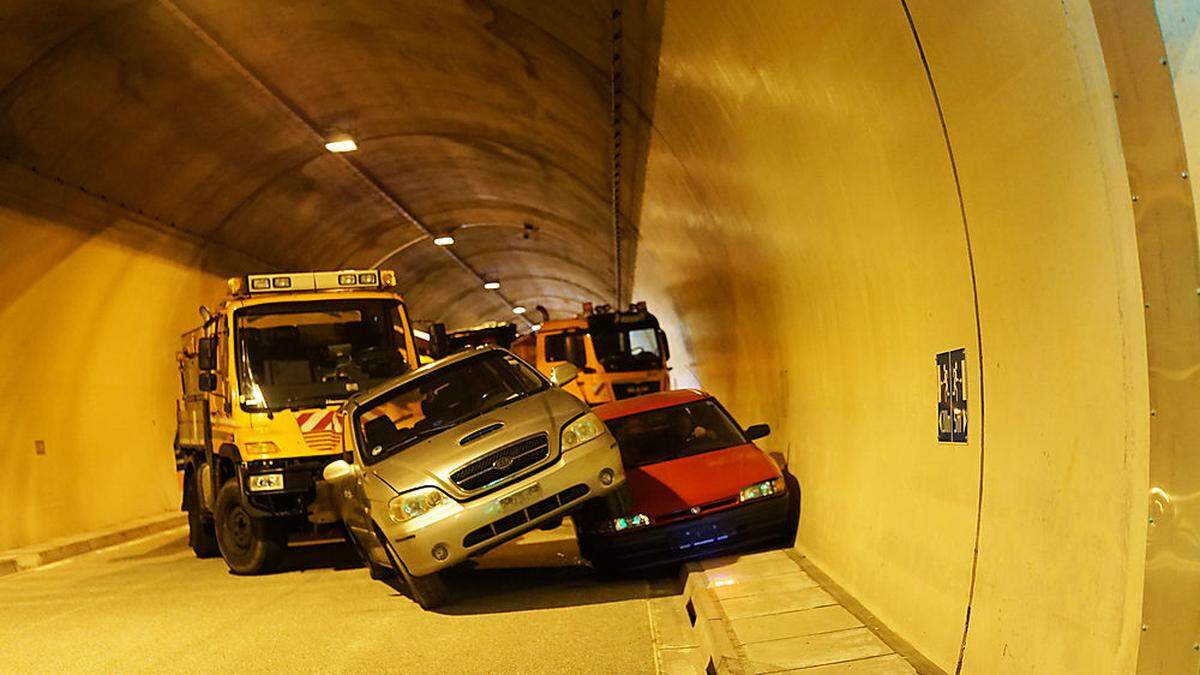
[(202, 536), (249, 545), (429, 591)]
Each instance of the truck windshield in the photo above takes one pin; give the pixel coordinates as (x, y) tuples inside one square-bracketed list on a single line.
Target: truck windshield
[(301, 355), (443, 399), (670, 433), (623, 349)]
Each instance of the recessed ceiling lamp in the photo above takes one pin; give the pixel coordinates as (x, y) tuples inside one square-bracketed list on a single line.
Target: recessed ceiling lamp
[(444, 241), (341, 144), (491, 285), (518, 310)]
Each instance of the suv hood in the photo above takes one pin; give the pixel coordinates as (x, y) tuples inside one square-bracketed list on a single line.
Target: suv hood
[(431, 461)]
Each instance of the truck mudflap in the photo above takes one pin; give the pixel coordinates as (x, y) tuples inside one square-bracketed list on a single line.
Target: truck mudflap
[(288, 487)]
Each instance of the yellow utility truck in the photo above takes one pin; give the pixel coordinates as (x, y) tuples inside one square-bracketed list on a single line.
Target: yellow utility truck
[(262, 379), (619, 354)]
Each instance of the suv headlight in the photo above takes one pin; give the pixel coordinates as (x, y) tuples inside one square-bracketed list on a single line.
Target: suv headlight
[(766, 488), (416, 503), (581, 430)]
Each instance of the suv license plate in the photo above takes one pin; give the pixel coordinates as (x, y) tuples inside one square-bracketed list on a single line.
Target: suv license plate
[(519, 500)]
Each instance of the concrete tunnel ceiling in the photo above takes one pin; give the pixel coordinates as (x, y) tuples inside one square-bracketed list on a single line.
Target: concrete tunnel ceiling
[(490, 121)]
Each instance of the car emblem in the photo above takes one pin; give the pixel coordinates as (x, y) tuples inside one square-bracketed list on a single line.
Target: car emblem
[(502, 463), (696, 509)]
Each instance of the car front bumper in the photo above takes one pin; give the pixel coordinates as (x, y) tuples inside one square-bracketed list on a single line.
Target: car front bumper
[(757, 523), (486, 522)]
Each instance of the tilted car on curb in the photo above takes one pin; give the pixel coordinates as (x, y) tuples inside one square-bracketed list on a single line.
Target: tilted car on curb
[(698, 486), (461, 455)]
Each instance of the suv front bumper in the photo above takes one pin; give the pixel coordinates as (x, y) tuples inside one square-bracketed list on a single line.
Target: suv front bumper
[(486, 522)]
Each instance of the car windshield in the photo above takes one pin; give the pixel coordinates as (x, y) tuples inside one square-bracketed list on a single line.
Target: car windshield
[(670, 433), (297, 355), (626, 349), (442, 399)]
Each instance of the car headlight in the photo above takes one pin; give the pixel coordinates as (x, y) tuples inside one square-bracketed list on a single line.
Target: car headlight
[(581, 430), (624, 523), (766, 488), (265, 481), (416, 503)]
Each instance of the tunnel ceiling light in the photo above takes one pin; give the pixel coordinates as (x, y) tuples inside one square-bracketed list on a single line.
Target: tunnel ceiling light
[(421, 334), (518, 310), (341, 144), (492, 285), (444, 241), (535, 327)]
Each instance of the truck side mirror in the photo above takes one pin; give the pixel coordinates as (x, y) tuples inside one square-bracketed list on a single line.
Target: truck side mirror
[(563, 374), (206, 353), (207, 381), (666, 347), (757, 431), (439, 341)]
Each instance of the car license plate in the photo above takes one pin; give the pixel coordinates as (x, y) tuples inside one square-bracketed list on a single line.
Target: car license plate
[(697, 537), (519, 500)]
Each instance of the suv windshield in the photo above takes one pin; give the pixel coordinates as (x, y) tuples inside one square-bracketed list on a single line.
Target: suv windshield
[(442, 399), (296, 355), (625, 349), (670, 433)]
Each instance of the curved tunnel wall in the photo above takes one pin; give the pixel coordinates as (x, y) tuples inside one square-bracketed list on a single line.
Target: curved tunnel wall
[(844, 237), (92, 306)]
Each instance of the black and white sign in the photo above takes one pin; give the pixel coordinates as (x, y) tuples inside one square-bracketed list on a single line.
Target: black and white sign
[(952, 396)]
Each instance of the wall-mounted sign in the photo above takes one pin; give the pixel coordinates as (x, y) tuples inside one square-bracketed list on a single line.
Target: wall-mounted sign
[(952, 396)]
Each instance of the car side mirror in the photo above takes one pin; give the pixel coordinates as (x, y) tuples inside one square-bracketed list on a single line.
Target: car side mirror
[(563, 374), (206, 353), (337, 469), (207, 381), (757, 431)]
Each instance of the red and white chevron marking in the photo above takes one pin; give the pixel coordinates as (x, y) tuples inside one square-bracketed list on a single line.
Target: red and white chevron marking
[(320, 420)]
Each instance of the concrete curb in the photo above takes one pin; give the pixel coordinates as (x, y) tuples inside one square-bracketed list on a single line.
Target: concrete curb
[(717, 650), (21, 559)]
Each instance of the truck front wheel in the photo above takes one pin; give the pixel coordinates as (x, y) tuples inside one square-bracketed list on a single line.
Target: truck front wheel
[(249, 545)]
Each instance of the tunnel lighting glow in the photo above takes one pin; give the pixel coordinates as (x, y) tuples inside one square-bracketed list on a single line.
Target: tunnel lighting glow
[(535, 327), (421, 334), (444, 241), (518, 310), (342, 145), (721, 583), (492, 285)]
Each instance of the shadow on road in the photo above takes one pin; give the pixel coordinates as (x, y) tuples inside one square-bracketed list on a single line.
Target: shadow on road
[(493, 591)]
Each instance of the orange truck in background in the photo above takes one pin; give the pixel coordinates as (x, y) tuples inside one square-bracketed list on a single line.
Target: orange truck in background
[(619, 354)]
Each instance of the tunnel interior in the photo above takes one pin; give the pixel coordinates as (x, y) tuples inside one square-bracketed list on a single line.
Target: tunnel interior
[(817, 199)]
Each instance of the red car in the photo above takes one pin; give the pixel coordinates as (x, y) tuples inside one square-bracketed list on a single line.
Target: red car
[(698, 485)]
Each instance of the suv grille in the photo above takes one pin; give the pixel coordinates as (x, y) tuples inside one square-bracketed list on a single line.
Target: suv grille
[(502, 463), (630, 389)]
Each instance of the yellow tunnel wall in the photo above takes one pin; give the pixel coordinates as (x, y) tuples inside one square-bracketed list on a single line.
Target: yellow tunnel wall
[(831, 253), (92, 304)]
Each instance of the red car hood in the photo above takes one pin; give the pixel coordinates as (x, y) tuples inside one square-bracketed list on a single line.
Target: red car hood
[(667, 487)]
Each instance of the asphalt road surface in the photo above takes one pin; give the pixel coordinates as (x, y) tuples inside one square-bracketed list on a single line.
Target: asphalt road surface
[(150, 605)]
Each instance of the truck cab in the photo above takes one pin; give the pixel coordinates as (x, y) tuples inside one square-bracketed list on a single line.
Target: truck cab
[(619, 353), (262, 378)]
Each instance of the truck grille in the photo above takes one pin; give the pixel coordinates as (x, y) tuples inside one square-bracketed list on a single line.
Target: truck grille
[(630, 389), (324, 441), (532, 512), (502, 463)]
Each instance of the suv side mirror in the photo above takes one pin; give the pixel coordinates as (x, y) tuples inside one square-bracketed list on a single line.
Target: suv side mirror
[(757, 431), (337, 469), (563, 374), (206, 353), (439, 341)]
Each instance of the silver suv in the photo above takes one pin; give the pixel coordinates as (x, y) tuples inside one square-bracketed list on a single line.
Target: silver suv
[(461, 455)]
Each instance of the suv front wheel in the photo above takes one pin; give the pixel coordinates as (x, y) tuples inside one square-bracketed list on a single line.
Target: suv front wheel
[(429, 591), (249, 545)]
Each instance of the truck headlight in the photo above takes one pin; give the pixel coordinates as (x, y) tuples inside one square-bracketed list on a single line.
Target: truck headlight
[(265, 481), (765, 488), (416, 503), (581, 430), (261, 448)]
